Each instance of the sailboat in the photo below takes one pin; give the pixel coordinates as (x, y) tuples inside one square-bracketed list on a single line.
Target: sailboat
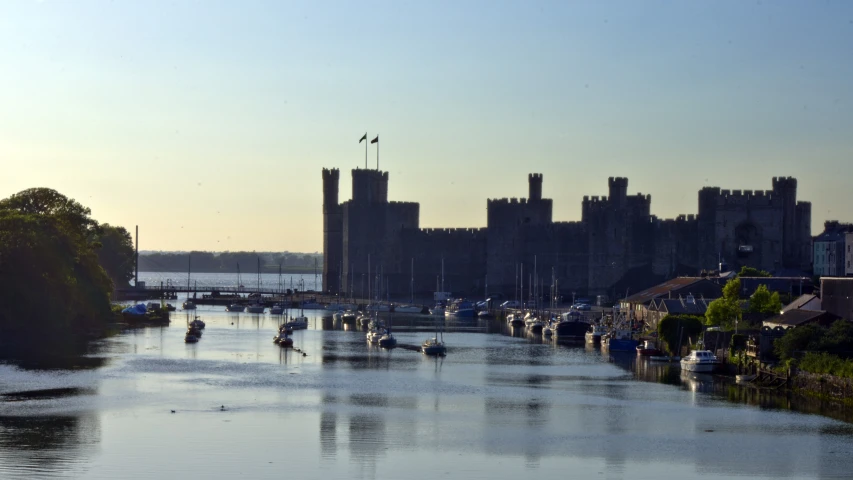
[(300, 322), (411, 307), (257, 306), (189, 304), (236, 307), (388, 340), (434, 346)]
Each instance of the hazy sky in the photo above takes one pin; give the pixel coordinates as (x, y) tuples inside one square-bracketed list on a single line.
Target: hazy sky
[(207, 123)]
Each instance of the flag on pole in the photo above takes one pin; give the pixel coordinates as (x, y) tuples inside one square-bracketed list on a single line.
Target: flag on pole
[(375, 140), (363, 138)]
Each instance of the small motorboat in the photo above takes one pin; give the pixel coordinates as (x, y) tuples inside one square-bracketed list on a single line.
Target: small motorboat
[(647, 349), (515, 320), (348, 317), (700, 361), (235, 308), (438, 309), (277, 309), (433, 346), (190, 338), (188, 305), (547, 331)]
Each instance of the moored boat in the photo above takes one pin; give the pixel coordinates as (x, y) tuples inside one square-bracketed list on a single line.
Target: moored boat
[(408, 309), (460, 309), (647, 349), (256, 308), (594, 334), (277, 309), (235, 308), (700, 361), (619, 341)]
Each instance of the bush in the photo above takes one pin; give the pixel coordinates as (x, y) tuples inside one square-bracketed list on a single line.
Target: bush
[(825, 363), (670, 330)]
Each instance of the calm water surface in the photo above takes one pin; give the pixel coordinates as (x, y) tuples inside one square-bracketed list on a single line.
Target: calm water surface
[(498, 407)]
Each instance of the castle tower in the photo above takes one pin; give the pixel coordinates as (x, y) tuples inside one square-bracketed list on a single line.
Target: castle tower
[(332, 232), (535, 186), (369, 186), (785, 188), (618, 190)]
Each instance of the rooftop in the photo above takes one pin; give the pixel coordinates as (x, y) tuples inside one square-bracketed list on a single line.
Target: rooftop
[(663, 289), (794, 318)]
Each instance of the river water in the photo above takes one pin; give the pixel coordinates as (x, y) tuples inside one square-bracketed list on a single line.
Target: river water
[(500, 405)]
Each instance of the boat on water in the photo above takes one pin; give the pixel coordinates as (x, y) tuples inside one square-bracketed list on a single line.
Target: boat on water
[(515, 320), (700, 361), (569, 331), (594, 334), (534, 324), (648, 348), (619, 341), (438, 309), (348, 317), (547, 331), (256, 308), (283, 339), (408, 309), (311, 305), (277, 309), (190, 338), (460, 308), (297, 323), (188, 305), (235, 308), (378, 307), (197, 323)]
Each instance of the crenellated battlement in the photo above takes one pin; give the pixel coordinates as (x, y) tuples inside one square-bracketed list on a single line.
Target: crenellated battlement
[(331, 174), (397, 202), (506, 201), (751, 198), (786, 183), (453, 231), (617, 182)]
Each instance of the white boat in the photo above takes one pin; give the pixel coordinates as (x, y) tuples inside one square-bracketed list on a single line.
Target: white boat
[(593, 336), (514, 320), (438, 309), (235, 307), (700, 361), (408, 309), (387, 340)]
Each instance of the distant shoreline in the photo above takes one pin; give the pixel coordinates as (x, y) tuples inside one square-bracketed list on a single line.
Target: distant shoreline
[(273, 270)]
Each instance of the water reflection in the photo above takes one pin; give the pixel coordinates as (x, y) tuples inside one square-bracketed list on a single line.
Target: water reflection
[(41, 446)]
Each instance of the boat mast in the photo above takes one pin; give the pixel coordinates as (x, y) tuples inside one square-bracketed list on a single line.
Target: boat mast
[(442, 274), (413, 281), (189, 270)]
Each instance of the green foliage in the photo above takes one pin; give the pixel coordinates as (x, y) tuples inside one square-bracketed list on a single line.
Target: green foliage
[(116, 253), (725, 311), (673, 328), (752, 272), (836, 340), (825, 363), (763, 301), (738, 343), (48, 265)]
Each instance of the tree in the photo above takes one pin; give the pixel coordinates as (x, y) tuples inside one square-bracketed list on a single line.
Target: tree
[(726, 311), (763, 301), (678, 329), (116, 253), (48, 265), (752, 272)]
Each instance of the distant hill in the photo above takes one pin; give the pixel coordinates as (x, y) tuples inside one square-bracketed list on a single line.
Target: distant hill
[(227, 262)]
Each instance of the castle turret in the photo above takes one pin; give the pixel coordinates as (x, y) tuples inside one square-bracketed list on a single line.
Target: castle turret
[(535, 185), (618, 190), (369, 186), (332, 232), (785, 190)]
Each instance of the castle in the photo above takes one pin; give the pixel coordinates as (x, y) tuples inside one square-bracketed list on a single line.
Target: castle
[(616, 246)]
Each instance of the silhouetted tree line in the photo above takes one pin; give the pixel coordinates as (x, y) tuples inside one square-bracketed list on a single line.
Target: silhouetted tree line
[(227, 262), (57, 265)]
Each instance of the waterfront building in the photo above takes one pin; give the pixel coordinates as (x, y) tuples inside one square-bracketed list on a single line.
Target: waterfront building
[(830, 249)]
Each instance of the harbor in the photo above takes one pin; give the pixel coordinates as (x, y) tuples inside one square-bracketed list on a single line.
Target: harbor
[(515, 403)]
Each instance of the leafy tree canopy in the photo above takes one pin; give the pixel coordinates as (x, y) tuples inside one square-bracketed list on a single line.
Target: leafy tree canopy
[(678, 329), (725, 311), (763, 301), (752, 272)]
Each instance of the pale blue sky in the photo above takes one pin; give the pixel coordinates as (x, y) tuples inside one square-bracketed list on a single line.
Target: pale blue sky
[(207, 123)]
